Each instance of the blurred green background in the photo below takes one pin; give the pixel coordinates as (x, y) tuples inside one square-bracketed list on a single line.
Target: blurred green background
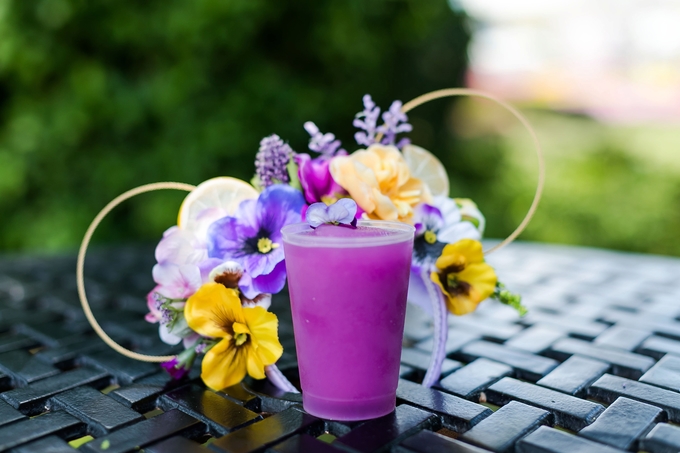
[(99, 97)]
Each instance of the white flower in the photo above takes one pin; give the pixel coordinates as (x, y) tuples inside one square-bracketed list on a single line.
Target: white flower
[(455, 225)]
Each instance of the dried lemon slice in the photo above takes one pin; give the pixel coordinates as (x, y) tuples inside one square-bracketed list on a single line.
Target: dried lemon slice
[(426, 167), (211, 200)]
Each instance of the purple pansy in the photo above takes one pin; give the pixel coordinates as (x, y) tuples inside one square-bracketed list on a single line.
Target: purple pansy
[(427, 218), (343, 212), (436, 225), (252, 238)]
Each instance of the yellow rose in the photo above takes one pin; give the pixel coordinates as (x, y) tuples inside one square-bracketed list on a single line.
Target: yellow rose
[(379, 180)]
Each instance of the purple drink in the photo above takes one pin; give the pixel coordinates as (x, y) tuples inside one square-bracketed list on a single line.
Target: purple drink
[(348, 298)]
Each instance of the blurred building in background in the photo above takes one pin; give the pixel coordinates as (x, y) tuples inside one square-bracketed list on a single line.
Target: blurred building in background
[(615, 60)]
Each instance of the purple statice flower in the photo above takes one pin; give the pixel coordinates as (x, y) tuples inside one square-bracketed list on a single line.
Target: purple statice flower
[(271, 161), (252, 238), (368, 124), (167, 316), (156, 301), (325, 144), (395, 122), (342, 212), (315, 177)]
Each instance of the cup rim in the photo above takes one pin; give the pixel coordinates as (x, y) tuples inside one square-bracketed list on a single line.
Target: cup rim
[(406, 232)]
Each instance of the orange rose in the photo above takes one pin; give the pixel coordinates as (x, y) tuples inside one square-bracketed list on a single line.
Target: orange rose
[(379, 180)]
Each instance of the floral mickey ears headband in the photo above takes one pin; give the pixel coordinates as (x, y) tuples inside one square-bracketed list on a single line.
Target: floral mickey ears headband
[(225, 250)]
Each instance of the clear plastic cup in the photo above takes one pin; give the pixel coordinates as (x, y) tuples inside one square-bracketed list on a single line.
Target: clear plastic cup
[(348, 299)]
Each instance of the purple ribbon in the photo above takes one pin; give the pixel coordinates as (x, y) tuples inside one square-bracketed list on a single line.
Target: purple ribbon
[(277, 378), (441, 330)]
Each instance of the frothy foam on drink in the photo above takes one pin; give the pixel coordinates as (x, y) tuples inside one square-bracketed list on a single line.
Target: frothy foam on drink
[(367, 233), (338, 231)]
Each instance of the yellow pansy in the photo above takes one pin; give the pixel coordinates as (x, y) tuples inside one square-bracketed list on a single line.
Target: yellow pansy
[(379, 180), (249, 339), (463, 276)]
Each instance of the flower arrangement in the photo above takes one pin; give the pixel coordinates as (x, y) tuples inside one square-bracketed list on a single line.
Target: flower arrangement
[(218, 268)]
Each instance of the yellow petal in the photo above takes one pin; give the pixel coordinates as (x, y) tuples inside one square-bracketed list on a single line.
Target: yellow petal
[(224, 365), (395, 170), (212, 308), (254, 364), (461, 305), (483, 279), (450, 257), (465, 251), (415, 185), (369, 157), (412, 187), (471, 249), (379, 180), (355, 178), (240, 328), (403, 209), (264, 337), (384, 208), (435, 279)]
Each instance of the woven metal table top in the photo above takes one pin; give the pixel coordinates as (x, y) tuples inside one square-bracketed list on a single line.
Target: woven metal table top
[(594, 367)]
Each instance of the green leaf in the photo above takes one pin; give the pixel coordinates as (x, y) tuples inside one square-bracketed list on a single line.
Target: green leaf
[(256, 183), (472, 220), (510, 299), (292, 168)]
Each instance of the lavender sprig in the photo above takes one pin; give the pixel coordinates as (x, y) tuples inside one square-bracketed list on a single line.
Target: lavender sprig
[(395, 122), (369, 122), (325, 144), (271, 161)]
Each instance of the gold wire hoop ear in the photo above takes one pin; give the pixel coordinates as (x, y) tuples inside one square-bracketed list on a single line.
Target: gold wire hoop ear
[(81, 262), (427, 97)]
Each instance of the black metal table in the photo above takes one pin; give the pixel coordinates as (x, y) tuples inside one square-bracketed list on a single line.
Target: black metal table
[(594, 367)]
